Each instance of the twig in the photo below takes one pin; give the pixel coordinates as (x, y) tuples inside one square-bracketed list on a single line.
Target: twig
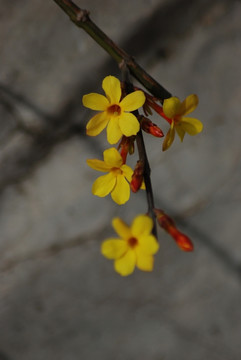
[(128, 88)]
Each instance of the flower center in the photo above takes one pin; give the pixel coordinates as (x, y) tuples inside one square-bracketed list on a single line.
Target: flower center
[(114, 110), (117, 171), (132, 242), (177, 119)]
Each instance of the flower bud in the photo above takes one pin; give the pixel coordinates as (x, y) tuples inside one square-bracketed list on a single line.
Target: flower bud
[(181, 239), (126, 146), (167, 223), (132, 144), (137, 177), (150, 128)]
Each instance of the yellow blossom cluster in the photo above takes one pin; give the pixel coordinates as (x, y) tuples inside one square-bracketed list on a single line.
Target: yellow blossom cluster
[(136, 244)]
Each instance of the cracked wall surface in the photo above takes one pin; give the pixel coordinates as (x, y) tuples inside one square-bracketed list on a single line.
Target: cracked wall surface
[(59, 298)]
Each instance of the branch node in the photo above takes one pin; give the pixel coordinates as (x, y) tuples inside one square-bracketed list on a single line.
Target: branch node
[(122, 64), (82, 15)]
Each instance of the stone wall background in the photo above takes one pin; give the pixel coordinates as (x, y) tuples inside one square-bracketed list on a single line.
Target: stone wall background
[(59, 299)]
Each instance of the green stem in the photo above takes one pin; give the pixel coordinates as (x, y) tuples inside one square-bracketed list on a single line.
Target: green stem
[(81, 18)]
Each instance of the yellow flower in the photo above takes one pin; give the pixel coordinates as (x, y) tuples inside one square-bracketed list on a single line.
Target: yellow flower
[(115, 114), (116, 181), (175, 112), (135, 247)]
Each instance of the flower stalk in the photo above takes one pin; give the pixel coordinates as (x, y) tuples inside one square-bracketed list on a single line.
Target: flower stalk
[(128, 88)]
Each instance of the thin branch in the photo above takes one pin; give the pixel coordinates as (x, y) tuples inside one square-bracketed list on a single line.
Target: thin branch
[(128, 88), (81, 18), (147, 178)]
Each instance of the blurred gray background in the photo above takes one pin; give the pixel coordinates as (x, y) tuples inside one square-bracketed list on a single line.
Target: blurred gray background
[(59, 298)]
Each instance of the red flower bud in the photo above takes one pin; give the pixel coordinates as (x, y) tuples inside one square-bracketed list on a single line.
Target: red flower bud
[(167, 223), (181, 239), (126, 146), (150, 128), (137, 177)]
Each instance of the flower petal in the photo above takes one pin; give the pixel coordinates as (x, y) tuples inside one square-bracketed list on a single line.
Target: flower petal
[(133, 101), (169, 138), (126, 264), (114, 132), (127, 172), (121, 192), (129, 124), (171, 107), (96, 124), (188, 105), (114, 248), (95, 101), (98, 165), (112, 88), (180, 131), (143, 185), (144, 262), (148, 244), (141, 226), (103, 185), (121, 228), (112, 158), (191, 125)]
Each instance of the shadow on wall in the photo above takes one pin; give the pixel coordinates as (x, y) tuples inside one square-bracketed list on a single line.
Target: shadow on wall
[(170, 22), (4, 357)]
